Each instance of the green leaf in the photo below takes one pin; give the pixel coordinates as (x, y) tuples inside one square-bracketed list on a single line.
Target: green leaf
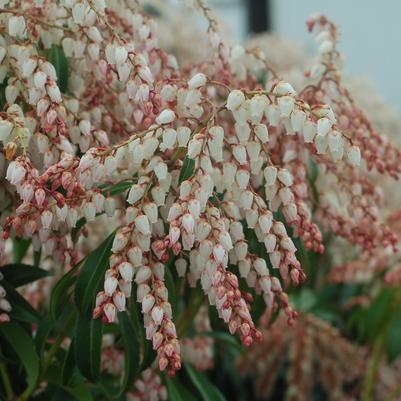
[(24, 347), (20, 248), (43, 331), (304, 300), (68, 365), (173, 392), (18, 274), (21, 309), (116, 189), (187, 169), (60, 290), (375, 317), (148, 355), (393, 343), (92, 274), (36, 257), (80, 392), (131, 347), (224, 338), (75, 231), (88, 344), (57, 57), (3, 94), (176, 391), (208, 391)]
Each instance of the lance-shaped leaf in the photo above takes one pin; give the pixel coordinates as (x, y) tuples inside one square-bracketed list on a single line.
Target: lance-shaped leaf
[(176, 391), (21, 309), (207, 390), (57, 57), (23, 345), (60, 290), (18, 274), (131, 348), (87, 346), (92, 275), (187, 169)]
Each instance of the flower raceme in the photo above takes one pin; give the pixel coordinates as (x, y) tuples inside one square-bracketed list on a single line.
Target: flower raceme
[(213, 162)]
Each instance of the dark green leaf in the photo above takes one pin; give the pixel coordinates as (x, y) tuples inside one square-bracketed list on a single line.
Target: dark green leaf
[(224, 338), (57, 57), (258, 307), (88, 343), (68, 365), (208, 391), (131, 347), (375, 317), (20, 248), (21, 309), (74, 232), (60, 290), (24, 347), (116, 189), (3, 94), (304, 300), (186, 169), (92, 275), (176, 391), (18, 274), (148, 355), (43, 331), (36, 257), (393, 342), (80, 392)]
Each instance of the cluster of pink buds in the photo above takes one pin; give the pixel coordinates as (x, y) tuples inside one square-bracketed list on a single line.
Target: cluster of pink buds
[(316, 355), (148, 388), (132, 260), (112, 360), (200, 166)]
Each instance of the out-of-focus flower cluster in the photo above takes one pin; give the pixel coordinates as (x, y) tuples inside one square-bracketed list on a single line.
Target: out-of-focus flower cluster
[(316, 354), (318, 359), (190, 165)]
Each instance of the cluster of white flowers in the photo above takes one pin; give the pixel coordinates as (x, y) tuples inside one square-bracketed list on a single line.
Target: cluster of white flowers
[(206, 169)]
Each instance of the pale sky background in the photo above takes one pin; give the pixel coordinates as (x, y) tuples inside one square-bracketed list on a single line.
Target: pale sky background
[(371, 34)]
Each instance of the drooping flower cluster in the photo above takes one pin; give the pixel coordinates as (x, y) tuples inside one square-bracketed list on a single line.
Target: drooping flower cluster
[(317, 357), (208, 168)]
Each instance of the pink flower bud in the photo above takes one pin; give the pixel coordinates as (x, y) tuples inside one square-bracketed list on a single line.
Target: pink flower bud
[(110, 312), (119, 242), (157, 314), (110, 285), (219, 252), (188, 222), (46, 218), (142, 224), (40, 196), (235, 99), (126, 270), (181, 266), (147, 303), (143, 275), (119, 301)]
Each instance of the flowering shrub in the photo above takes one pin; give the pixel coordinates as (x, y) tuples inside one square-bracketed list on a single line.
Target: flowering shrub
[(155, 202)]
